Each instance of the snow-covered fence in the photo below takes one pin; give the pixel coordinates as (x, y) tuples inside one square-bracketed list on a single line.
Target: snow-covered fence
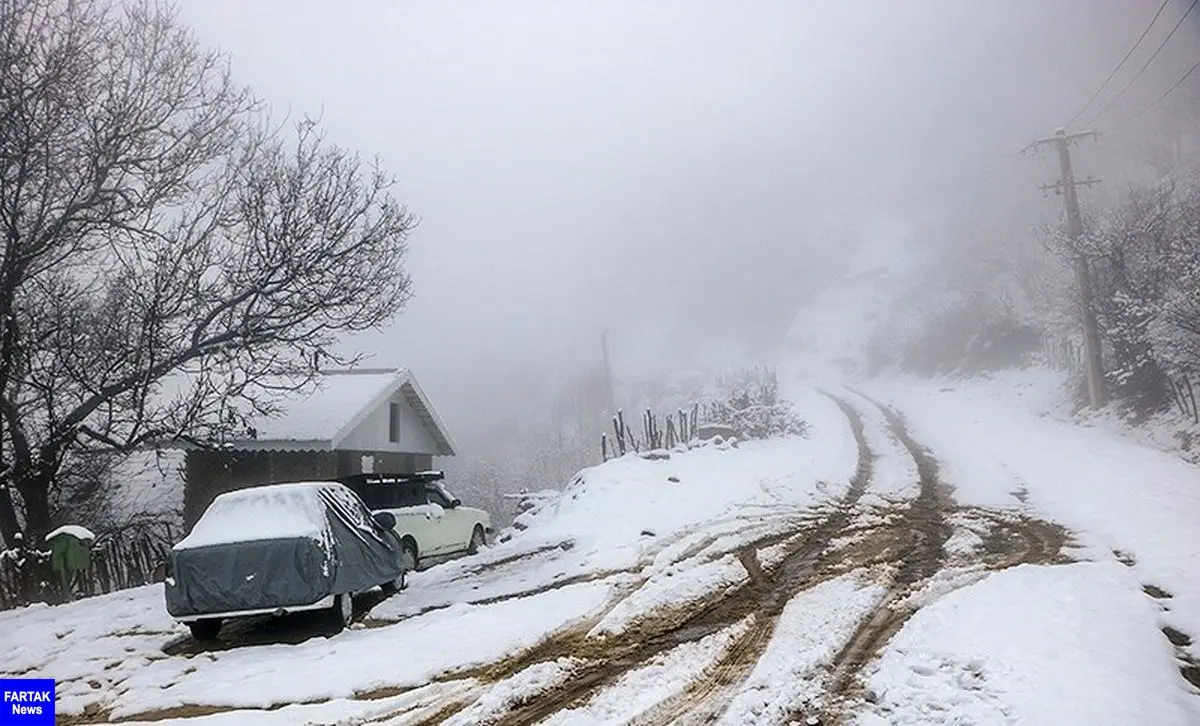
[(750, 407), (680, 428), (129, 557)]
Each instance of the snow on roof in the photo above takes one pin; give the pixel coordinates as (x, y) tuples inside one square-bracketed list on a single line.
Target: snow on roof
[(330, 408), (277, 511), (75, 530), (322, 411)]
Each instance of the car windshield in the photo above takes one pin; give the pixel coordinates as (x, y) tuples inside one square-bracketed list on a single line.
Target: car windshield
[(281, 511)]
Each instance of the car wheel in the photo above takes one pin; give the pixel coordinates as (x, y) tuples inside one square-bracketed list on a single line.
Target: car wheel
[(395, 586), (205, 629), (477, 541), (408, 561), (342, 613)]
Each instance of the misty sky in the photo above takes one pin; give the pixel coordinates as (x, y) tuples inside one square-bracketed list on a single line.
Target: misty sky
[(676, 171)]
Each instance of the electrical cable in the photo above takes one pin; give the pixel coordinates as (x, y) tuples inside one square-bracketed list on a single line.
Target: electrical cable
[(1120, 65), (1146, 65)]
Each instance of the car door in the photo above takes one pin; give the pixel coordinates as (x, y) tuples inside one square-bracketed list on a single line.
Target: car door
[(455, 525), (414, 516), (443, 517)]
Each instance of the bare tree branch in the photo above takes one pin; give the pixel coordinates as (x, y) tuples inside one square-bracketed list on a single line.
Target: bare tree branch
[(166, 254)]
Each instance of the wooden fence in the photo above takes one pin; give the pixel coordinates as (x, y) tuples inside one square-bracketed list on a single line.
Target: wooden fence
[(1184, 396), (1062, 354), (127, 557)]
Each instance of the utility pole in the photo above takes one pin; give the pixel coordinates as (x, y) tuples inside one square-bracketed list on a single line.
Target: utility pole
[(1066, 187), (609, 391)]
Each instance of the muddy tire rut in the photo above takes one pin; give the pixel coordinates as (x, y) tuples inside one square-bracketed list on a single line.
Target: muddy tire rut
[(923, 556)]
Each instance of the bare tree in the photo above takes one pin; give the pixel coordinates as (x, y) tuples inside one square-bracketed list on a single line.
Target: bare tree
[(163, 249)]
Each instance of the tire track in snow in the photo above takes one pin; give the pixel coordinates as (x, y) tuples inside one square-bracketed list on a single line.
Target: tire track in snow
[(927, 523), (923, 556), (1181, 642), (764, 596)]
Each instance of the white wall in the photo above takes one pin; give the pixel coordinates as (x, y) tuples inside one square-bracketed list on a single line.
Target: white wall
[(372, 433)]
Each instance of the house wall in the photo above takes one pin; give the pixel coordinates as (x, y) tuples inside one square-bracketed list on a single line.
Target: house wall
[(386, 462), (372, 433), (211, 473)]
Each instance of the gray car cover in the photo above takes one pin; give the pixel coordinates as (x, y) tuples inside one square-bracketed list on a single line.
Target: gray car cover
[(337, 547)]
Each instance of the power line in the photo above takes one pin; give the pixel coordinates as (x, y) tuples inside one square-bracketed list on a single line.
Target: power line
[(1142, 70), (1168, 92), (1120, 65)]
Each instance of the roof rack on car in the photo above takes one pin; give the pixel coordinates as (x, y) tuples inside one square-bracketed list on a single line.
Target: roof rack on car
[(420, 476)]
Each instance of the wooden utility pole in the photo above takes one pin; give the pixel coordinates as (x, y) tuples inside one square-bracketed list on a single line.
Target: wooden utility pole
[(609, 390), (1066, 187)]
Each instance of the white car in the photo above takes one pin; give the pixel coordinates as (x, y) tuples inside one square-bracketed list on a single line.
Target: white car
[(432, 523)]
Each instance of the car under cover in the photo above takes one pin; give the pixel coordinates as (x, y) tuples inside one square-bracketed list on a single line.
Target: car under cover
[(279, 546)]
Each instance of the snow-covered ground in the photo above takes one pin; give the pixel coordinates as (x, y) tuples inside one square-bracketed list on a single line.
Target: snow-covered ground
[(1076, 644), (898, 565), (1119, 497)]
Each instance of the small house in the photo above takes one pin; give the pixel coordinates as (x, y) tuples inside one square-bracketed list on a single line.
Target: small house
[(357, 421)]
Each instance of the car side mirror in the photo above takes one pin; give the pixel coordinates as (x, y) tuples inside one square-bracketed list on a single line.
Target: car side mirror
[(385, 520), (455, 503)]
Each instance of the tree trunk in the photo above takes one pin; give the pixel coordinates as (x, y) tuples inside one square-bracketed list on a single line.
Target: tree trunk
[(34, 487), (35, 491), (9, 526)]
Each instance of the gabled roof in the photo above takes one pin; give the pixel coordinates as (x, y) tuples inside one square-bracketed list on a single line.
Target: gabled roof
[(323, 414)]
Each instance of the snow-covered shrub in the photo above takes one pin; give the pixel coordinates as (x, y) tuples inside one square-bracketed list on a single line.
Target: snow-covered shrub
[(752, 407), (1144, 255)]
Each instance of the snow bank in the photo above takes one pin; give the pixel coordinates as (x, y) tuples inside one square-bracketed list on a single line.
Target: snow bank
[(1063, 645), (669, 523), (108, 651), (340, 711)]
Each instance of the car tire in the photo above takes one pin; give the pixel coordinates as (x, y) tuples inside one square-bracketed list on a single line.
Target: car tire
[(207, 629), (477, 540), (395, 586), (342, 612), (409, 561)]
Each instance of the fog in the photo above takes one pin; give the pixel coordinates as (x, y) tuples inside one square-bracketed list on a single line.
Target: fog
[(680, 173)]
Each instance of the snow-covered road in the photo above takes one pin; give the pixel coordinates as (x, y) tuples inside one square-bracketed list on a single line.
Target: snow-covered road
[(922, 556)]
